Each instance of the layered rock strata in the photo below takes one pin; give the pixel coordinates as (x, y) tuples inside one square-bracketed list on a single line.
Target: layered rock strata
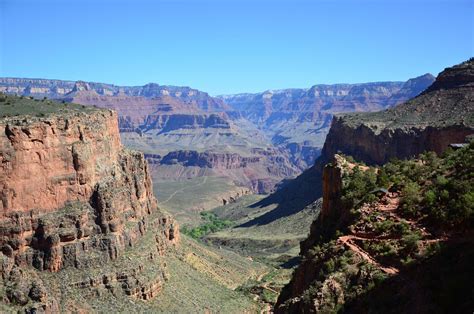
[(72, 197), (440, 116)]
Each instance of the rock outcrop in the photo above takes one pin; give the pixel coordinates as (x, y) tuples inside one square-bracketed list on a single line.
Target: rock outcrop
[(442, 115), (332, 214), (73, 197), (209, 159)]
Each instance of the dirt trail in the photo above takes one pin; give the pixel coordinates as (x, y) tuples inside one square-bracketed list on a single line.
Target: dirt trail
[(182, 189), (347, 241), (391, 205)]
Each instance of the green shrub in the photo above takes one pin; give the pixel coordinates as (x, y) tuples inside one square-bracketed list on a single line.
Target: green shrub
[(329, 266), (212, 224), (383, 226), (432, 249), (410, 242), (411, 196)]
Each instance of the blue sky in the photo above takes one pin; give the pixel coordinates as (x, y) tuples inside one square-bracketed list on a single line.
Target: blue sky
[(231, 46)]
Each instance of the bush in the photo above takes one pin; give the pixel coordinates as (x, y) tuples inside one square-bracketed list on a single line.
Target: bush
[(432, 249), (402, 228), (358, 184), (410, 242), (384, 226), (329, 266), (411, 197)]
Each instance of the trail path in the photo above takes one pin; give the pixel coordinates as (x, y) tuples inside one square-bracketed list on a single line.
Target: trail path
[(182, 189), (347, 241)]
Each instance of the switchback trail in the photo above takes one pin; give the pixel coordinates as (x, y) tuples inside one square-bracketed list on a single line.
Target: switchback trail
[(347, 241)]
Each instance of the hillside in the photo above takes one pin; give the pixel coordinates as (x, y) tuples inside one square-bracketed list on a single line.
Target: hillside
[(442, 115), (368, 243)]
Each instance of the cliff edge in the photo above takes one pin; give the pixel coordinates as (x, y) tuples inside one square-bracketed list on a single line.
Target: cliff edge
[(74, 201), (442, 115)]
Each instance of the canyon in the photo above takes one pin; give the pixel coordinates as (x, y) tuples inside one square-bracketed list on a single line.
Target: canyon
[(281, 131), (299, 119), (78, 205), (440, 116)]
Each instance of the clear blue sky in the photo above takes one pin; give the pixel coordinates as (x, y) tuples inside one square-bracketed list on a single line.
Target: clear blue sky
[(231, 46)]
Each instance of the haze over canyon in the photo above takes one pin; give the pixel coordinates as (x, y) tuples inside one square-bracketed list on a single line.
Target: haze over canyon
[(246, 177)]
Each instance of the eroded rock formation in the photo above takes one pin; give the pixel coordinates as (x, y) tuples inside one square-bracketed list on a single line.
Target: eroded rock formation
[(302, 117), (442, 115), (72, 197)]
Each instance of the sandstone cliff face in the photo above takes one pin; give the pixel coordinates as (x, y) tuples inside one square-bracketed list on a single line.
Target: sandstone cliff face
[(260, 171), (48, 162), (141, 114), (331, 211), (166, 122), (363, 143), (332, 187), (73, 197), (442, 115)]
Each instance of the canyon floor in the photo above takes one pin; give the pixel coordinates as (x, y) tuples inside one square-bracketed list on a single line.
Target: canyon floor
[(243, 266)]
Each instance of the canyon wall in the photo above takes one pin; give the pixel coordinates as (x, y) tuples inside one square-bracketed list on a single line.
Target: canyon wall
[(363, 143), (259, 171), (440, 116), (302, 117), (74, 198), (331, 215)]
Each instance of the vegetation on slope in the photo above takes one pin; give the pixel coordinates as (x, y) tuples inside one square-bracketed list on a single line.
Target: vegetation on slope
[(388, 237), (11, 106), (211, 224), (447, 102)]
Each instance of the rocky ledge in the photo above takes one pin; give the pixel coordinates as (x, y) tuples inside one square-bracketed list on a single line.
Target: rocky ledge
[(73, 198), (442, 115)]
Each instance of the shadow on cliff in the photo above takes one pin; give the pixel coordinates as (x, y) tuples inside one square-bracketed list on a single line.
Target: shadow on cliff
[(441, 284), (292, 197)]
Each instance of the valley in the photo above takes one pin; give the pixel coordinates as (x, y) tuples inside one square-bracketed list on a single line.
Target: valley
[(252, 216), (241, 144), (267, 157)]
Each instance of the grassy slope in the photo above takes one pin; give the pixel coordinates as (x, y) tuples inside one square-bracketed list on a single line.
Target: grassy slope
[(14, 106), (449, 101), (203, 278), (199, 279), (185, 199), (271, 240)]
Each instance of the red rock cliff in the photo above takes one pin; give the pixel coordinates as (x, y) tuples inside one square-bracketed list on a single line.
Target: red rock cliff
[(73, 197), (442, 115), (46, 163)]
